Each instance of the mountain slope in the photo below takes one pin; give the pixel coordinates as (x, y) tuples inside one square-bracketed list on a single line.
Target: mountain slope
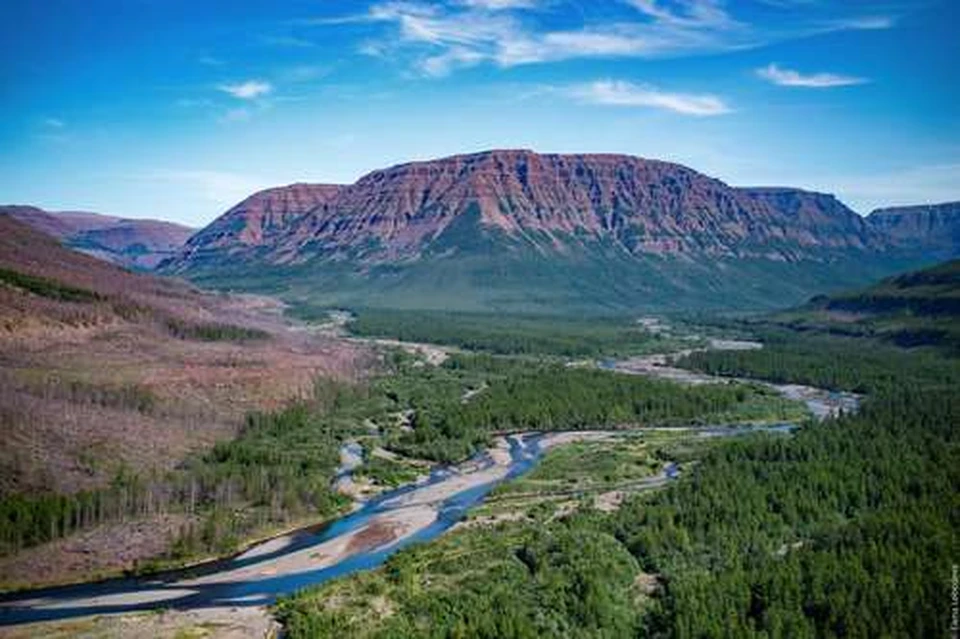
[(513, 229), (134, 243), (917, 308), (103, 367), (934, 228)]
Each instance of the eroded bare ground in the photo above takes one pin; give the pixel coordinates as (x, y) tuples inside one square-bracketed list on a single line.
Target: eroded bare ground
[(80, 403), (102, 551), (219, 623)]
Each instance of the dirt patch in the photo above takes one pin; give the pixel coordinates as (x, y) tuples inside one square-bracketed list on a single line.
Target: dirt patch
[(101, 551), (378, 533), (213, 623)]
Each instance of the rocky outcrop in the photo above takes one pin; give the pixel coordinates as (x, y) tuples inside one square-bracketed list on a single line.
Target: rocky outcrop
[(934, 228), (640, 206)]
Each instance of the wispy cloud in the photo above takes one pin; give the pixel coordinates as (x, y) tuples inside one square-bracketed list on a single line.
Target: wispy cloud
[(54, 123), (499, 5), (865, 23), (627, 94), (791, 78), (443, 37), (248, 90)]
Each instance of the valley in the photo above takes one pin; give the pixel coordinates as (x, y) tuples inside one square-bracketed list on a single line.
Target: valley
[(378, 527), (479, 319)]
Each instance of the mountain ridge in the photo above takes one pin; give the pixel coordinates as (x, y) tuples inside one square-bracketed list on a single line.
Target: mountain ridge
[(932, 227), (134, 243), (646, 206), (513, 228)]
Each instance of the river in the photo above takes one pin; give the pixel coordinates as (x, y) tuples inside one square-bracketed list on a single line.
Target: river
[(360, 540)]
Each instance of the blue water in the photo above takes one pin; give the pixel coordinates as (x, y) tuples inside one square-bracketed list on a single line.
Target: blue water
[(525, 451)]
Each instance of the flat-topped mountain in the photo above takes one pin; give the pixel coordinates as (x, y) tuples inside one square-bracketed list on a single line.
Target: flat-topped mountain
[(133, 243), (504, 227), (640, 206), (931, 227)]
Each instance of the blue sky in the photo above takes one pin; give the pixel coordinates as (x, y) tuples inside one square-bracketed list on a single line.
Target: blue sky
[(177, 109)]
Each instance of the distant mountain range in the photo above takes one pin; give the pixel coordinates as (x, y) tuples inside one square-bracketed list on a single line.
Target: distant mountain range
[(933, 228), (550, 203), (134, 243), (520, 231)]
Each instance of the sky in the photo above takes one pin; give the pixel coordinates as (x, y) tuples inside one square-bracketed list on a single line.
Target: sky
[(178, 109)]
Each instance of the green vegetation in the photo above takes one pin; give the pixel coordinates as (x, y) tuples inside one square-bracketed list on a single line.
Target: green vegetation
[(514, 334), (931, 291), (844, 529), (915, 309), (281, 466), (546, 397), (478, 269), (279, 469), (388, 472), (834, 362), (510, 582), (213, 331), (46, 287)]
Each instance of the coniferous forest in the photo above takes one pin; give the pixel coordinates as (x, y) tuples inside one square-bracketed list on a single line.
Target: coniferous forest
[(844, 529)]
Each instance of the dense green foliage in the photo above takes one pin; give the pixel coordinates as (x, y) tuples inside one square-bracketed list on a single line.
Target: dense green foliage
[(837, 363), (931, 291), (512, 334), (280, 467), (845, 529), (46, 287), (213, 331), (919, 308), (472, 267), (493, 584), (523, 397)]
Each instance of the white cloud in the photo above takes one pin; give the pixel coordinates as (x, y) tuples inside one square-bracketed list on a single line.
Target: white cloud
[(445, 62), (695, 13), (790, 78), (443, 37), (865, 23), (248, 90), (619, 93), (54, 123), (498, 5)]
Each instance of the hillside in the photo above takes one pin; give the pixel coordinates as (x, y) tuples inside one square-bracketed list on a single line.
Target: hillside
[(519, 230), (75, 330), (134, 243), (919, 308), (111, 376), (933, 228)]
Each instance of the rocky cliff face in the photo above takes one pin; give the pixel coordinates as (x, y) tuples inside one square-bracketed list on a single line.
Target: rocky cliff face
[(260, 221), (133, 243), (934, 227), (643, 207)]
